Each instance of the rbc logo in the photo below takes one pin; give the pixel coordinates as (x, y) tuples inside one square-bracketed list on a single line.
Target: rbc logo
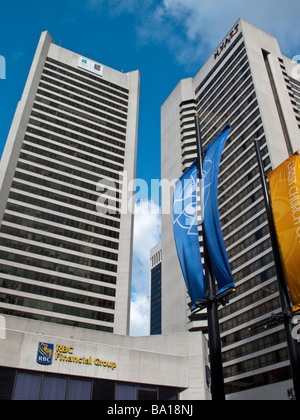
[(45, 354)]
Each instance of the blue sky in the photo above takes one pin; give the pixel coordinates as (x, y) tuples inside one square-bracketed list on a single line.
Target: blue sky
[(167, 40)]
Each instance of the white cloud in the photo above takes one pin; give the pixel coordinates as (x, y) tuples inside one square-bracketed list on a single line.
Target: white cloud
[(192, 29), (139, 324), (146, 229), (206, 22), (146, 235)]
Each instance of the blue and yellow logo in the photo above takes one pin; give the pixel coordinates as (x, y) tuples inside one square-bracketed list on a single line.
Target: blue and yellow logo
[(45, 353)]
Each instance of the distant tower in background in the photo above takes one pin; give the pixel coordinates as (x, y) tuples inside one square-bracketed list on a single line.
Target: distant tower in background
[(155, 290)]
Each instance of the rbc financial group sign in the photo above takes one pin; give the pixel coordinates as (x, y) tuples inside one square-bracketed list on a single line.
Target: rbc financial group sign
[(48, 354)]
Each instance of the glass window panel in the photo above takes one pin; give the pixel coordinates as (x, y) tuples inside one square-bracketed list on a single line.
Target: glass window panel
[(147, 392), (167, 394), (79, 389), (54, 388), (125, 391), (7, 379), (103, 390), (28, 386)]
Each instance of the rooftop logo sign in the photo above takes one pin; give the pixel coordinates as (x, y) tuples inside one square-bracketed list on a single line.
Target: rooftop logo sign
[(227, 41), (89, 65)]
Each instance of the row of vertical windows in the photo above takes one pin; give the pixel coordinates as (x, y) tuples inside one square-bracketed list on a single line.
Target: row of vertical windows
[(27, 314), (34, 170), (261, 309), (228, 78), (38, 237), (77, 74), (258, 380), (65, 164), (259, 362), (87, 236), (35, 261), (87, 75), (67, 137), (90, 87), (55, 307), (65, 220), (29, 385), (250, 299), (262, 343), (34, 196), (64, 112), (56, 294), (65, 96), (60, 187), (61, 118), (262, 279), (219, 63), (46, 81), (85, 161), (241, 83), (60, 278), (60, 102), (47, 140), (43, 125), (58, 253)]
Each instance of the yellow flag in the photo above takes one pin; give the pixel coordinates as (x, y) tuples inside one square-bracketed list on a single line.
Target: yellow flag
[(285, 198)]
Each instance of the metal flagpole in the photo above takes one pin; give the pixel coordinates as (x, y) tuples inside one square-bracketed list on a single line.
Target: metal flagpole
[(216, 364), (283, 290)]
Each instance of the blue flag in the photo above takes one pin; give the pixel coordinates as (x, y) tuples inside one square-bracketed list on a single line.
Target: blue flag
[(211, 222), (186, 233)]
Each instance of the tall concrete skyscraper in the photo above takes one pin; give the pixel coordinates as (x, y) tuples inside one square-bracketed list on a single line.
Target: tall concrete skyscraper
[(63, 259), (249, 83)]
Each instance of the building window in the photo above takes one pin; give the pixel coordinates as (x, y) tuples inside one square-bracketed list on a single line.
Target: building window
[(147, 392), (167, 394), (54, 388), (79, 389), (7, 380), (126, 391), (103, 390), (28, 386)]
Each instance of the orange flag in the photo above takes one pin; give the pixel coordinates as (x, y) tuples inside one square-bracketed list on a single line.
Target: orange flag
[(284, 184)]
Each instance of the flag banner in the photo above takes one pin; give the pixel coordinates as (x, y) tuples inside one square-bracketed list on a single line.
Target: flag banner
[(284, 184), (211, 221), (185, 227)]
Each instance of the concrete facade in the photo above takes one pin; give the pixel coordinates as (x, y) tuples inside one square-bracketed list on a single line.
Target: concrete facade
[(175, 360), (72, 128)]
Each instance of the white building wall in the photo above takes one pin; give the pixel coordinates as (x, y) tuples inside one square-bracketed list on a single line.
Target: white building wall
[(174, 308), (175, 360)]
